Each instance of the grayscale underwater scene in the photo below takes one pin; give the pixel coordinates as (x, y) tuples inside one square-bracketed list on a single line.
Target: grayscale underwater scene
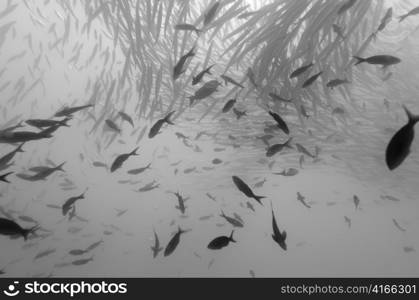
[(209, 138)]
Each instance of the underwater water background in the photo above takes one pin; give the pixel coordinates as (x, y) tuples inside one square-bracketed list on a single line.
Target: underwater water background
[(50, 60)]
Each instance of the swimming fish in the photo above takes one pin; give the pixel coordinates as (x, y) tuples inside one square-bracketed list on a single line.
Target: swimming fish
[(111, 124), (398, 226), (232, 221), (139, 170), (301, 198), (174, 242), (67, 111), (276, 148), (348, 221), (155, 129), (3, 177), (42, 123), (41, 173), (356, 201), (301, 70), (386, 19), (211, 13), (279, 98), (288, 172), (120, 159), (302, 149), (126, 117), (181, 203), (11, 228), (278, 236), (69, 203), (198, 78), (336, 82), (221, 242), (311, 79), (187, 27), (205, 91), (229, 105), (399, 146), (347, 5), (12, 137), (384, 60), (245, 189), (156, 248), (179, 67), (280, 122), (228, 79), (239, 113), (412, 12)]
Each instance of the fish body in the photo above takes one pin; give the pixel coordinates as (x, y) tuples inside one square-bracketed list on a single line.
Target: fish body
[(139, 170), (386, 19), (126, 117), (3, 177), (181, 203), (232, 221), (118, 162), (303, 150), (245, 189), (301, 70), (384, 60), (42, 123), (11, 228), (174, 242), (301, 198), (311, 79), (211, 13), (280, 122), (69, 203), (356, 201), (155, 129), (205, 91), (239, 113), (413, 12), (279, 98), (198, 78), (187, 27), (67, 111), (13, 137), (347, 5), (399, 146), (276, 148), (111, 124), (336, 82), (156, 248), (229, 105), (228, 79), (221, 242)]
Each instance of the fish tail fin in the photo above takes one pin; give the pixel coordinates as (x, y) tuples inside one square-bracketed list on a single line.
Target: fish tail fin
[(134, 152), (19, 148), (231, 237), (64, 122), (3, 177), (360, 60), (208, 70), (60, 167), (259, 198), (167, 118), (26, 232), (288, 143), (412, 118)]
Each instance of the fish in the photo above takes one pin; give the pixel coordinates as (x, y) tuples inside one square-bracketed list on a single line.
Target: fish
[(174, 242), (211, 196), (408, 249), (301, 70), (13, 137), (232, 221), (94, 246), (205, 91), (386, 19), (77, 252), (412, 12), (250, 206), (100, 164), (221, 242), (179, 67), (398, 226), (276, 148), (229, 105), (245, 189), (83, 261), (278, 236), (391, 198), (120, 159), (347, 5), (69, 203), (280, 122), (336, 82), (399, 146), (126, 117), (3, 177), (356, 201), (260, 183), (198, 78), (279, 98), (181, 206), (217, 161), (311, 80), (42, 173), (156, 248), (67, 111), (301, 198), (42, 123), (111, 124), (303, 150), (384, 60), (348, 221), (139, 170), (187, 27), (338, 30), (211, 13), (11, 228), (289, 172), (155, 129), (239, 114), (228, 79), (44, 253)]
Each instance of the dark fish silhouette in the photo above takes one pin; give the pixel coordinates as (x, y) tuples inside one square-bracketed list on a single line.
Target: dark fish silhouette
[(228, 79), (281, 123), (67, 111), (181, 206), (399, 146), (198, 78), (139, 170), (302, 149), (301, 70), (154, 130), (311, 80), (83, 261), (156, 248), (174, 242), (41, 173), (9, 156), (12, 137), (301, 198), (274, 149), (221, 242), (245, 189), (229, 105), (384, 60), (232, 221), (279, 98), (179, 67), (42, 123), (111, 124), (278, 236), (118, 162), (187, 27), (11, 228), (413, 12), (126, 117), (69, 203), (239, 113), (336, 82), (398, 226), (356, 202), (210, 14)]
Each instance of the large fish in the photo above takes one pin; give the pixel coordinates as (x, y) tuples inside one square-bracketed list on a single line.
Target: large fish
[(221, 242), (9, 156), (399, 146), (276, 148), (155, 129), (156, 248), (42, 123), (12, 137), (11, 228), (117, 163), (413, 12), (245, 189), (384, 60), (174, 242)]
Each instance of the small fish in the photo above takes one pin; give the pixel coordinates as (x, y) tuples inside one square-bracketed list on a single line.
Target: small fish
[(179, 67), (398, 226), (221, 242), (111, 124), (126, 117), (229, 105), (251, 77), (391, 198), (336, 82), (278, 236), (13, 137), (384, 60), (399, 146), (198, 78), (356, 202), (413, 12), (228, 79), (239, 113), (67, 111), (311, 80), (181, 203), (408, 249), (211, 197), (280, 122), (385, 20), (348, 221), (156, 248), (189, 170), (301, 198), (232, 221), (205, 91), (301, 70), (139, 170), (99, 164), (174, 242), (211, 13), (44, 253), (41, 123), (245, 189), (187, 27), (4, 161), (347, 5), (338, 111), (302, 149), (94, 246), (279, 98), (276, 148), (77, 252), (120, 159), (80, 262), (260, 183), (11, 228), (338, 30), (155, 129), (217, 161)]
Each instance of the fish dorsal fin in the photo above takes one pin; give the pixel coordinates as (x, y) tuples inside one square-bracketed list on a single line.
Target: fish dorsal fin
[(412, 118)]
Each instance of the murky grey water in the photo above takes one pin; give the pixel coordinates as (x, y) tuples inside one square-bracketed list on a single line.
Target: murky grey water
[(320, 242)]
